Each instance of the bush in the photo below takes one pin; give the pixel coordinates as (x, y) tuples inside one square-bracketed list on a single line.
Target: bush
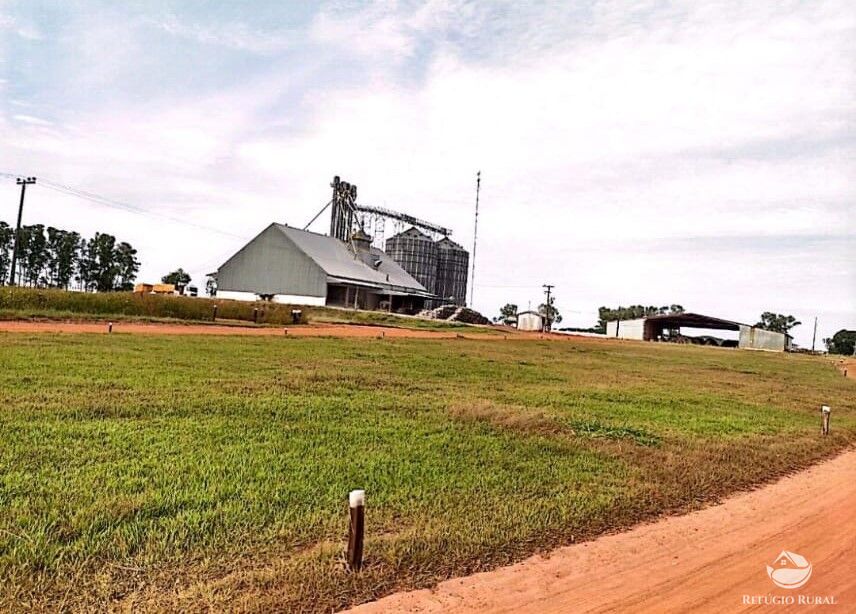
[(34, 300)]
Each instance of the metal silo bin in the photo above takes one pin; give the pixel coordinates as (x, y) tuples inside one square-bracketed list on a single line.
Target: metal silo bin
[(453, 265), (416, 253)]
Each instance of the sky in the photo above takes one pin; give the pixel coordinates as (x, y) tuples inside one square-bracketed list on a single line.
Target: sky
[(632, 152)]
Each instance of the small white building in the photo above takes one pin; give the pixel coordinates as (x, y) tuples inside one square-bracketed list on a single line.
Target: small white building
[(530, 320)]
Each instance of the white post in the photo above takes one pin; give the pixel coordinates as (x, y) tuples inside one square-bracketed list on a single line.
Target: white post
[(357, 505)]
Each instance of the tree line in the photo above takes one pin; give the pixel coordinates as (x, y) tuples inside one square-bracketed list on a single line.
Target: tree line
[(55, 258)]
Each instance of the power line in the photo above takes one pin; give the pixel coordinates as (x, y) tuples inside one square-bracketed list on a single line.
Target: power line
[(123, 206)]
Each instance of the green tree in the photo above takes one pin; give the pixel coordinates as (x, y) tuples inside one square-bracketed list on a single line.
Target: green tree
[(550, 313), (106, 267), (63, 251), (179, 278), (33, 254), (777, 322), (507, 315), (843, 342), (86, 265), (127, 266), (7, 238)]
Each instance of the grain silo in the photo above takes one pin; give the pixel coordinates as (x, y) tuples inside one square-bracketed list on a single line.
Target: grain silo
[(453, 265), (416, 253)]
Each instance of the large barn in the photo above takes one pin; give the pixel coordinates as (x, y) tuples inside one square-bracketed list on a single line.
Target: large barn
[(288, 265), (668, 327)]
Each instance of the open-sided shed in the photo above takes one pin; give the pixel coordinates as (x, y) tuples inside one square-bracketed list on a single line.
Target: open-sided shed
[(666, 326)]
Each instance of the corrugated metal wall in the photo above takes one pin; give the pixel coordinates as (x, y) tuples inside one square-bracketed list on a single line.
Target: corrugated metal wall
[(453, 265), (529, 321), (626, 329), (272, 264), (416, 253), (752, 338)]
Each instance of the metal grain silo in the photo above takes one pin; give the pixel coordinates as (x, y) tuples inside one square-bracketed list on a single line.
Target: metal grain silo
[(453, 265), (416, 253)]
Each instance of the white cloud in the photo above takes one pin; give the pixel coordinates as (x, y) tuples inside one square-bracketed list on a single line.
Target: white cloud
[(232, 35), (29, 119)]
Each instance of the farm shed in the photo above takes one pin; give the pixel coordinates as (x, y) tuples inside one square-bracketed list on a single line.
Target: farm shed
[(667, 327), (530, 320), (288, 265)]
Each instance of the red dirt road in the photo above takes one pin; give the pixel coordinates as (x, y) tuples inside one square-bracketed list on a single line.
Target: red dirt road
[(713, 560), (310, 330), (140, 328)]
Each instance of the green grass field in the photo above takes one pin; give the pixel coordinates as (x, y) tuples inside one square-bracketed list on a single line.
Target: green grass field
[(190, 472)]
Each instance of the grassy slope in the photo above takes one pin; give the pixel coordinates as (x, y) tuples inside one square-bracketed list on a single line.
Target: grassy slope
[(180, 472)]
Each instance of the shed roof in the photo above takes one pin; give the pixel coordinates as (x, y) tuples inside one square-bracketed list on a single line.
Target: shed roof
[(339, 262), (694, 320)]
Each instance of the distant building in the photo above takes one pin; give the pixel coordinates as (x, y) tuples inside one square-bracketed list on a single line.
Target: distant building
[(668, 326), (288, 265), (530, 320)]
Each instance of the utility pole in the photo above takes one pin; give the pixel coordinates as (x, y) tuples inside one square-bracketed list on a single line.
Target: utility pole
[(23, 182), (548, 316), (475, 238), (814, 334)]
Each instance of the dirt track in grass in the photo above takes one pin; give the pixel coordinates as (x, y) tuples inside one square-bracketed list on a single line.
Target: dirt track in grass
[(311, 330), (712, 560)]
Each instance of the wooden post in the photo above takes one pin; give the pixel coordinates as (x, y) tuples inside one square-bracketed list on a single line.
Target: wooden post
[(285, 331), (824, 419), (255, 315), (214, 317), (357, 506), (109, 327)]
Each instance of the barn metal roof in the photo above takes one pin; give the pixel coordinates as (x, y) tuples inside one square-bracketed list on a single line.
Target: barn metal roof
[(340, 263), (695, 320)]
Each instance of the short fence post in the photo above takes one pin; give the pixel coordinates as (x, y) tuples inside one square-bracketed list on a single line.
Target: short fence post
[(255, 315), (285, 331), (109, 327), (357, 506), (214, 317), (824, 419)]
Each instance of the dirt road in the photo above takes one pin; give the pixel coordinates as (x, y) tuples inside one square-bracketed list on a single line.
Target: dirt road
[(713, 560), (310, 330), (141, 328)]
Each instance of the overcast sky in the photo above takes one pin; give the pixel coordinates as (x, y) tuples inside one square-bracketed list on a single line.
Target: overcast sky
[(701, 153)]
